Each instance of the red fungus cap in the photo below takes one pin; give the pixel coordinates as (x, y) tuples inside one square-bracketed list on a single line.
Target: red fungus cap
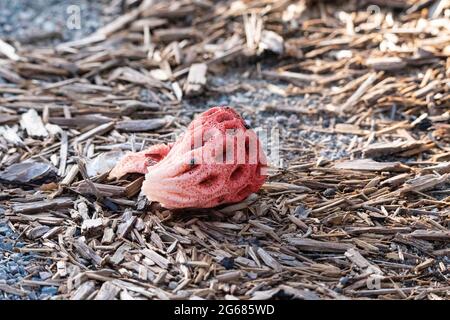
[(218, 160)]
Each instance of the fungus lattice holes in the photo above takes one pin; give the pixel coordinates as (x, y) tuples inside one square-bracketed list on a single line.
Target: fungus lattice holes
[(224, 117), (208, 181), (237, 173), (231, 124), (210, 112)]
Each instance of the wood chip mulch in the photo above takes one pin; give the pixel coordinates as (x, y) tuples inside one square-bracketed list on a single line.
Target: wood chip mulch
[(374, 225)]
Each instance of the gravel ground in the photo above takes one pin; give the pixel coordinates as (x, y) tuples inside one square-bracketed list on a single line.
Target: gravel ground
[(46, 22), (12, 265), (15, 266)]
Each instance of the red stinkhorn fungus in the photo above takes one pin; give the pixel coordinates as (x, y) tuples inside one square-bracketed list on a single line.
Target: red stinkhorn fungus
[(218, 160), (138, 162)]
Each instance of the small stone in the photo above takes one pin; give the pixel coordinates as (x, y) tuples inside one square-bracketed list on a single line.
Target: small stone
[(301, 212), (20, 244), (254, 242), (172, 285), (51, 291), (4, 231), (227, 262), (344, 280), (13, 269), (45, 275), (32, 296), (28, 172), (3, 275), (329, 192), (6, 246), (37, 232)]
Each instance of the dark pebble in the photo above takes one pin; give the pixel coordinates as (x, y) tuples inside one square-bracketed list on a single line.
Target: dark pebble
[(329, 192), (172, 285), (13, 269), (424, 125), (4, 231), (32, 296), (6, 246), (254, 241), (301, 212), (20, 245), (344, 280), (228, 263)]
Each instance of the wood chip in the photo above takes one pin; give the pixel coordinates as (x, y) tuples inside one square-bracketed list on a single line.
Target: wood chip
[(371, 165)]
